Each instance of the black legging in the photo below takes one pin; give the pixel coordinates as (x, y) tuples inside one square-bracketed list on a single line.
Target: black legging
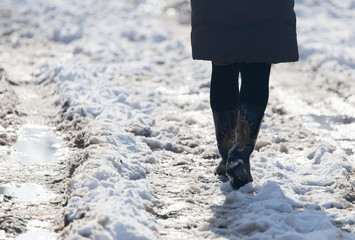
[(225, 94)]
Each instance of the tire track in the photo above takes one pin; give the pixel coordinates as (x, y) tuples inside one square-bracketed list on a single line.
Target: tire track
[(32, 194)]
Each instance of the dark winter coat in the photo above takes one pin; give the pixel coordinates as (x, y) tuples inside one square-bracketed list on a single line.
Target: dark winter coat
[(244, 30)]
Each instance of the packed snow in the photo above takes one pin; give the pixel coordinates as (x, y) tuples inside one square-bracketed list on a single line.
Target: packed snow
[(130, 76)]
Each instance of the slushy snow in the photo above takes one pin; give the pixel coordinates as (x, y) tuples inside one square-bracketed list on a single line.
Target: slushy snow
[(130, 77)]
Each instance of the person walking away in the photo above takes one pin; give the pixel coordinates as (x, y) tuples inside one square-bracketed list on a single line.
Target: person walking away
[(241, 37)]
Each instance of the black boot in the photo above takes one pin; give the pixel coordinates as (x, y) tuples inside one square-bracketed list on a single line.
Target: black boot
[(248, 126), (225, 123)]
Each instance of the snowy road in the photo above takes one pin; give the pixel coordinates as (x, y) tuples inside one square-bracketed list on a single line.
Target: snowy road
[(133, 110)]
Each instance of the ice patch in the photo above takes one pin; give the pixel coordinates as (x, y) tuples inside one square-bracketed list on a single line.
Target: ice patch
[(35, 144), (38, 235), (27, 192)]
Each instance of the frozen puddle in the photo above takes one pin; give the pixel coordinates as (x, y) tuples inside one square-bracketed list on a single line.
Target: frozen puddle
[(27, 192), (38, 148), (35, 144), (330, 122), (30, 193), (36, 235)]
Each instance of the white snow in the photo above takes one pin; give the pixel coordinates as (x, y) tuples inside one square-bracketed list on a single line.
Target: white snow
[(121, 66)]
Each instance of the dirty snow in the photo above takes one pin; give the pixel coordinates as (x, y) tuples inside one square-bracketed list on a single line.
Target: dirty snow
[(148, 147)]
